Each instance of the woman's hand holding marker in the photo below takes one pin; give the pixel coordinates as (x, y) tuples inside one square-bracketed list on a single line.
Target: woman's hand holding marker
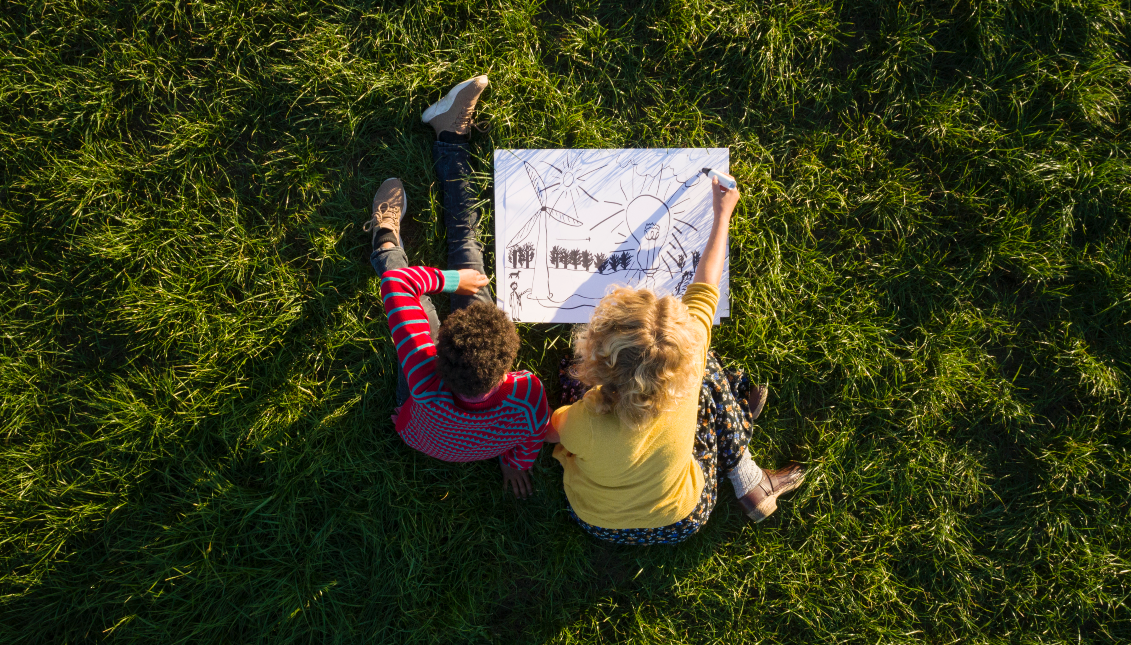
[(724, 199), (710, 269)]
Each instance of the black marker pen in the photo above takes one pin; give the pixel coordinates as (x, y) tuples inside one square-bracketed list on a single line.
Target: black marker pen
[(724, 181)]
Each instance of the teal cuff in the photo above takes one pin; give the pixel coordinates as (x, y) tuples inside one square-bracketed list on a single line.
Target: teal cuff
[(451, 281)]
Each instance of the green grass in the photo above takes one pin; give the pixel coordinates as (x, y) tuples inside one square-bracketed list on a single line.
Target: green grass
[(931, 269)]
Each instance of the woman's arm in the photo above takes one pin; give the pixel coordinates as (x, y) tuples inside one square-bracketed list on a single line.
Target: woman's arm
[(711, 264)]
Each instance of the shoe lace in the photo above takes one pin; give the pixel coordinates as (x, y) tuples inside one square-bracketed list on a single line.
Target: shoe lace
[(372, 226), (464, 122)]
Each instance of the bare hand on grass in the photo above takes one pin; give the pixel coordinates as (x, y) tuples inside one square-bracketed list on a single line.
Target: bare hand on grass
[(519, 481)]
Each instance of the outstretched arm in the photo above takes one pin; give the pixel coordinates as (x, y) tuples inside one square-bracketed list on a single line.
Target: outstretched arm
[(710, 269), (517, 461), (401, 290), (531, 397)]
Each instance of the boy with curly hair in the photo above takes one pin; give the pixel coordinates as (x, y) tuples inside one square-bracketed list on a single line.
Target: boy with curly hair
[(457, 399)]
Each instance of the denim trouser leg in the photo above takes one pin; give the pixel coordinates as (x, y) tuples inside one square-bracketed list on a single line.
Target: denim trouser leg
[(394, 258), (460, 216)]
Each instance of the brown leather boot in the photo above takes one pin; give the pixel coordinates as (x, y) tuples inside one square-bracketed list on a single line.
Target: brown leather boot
[(762, 501), (453, 112), (389, 204)]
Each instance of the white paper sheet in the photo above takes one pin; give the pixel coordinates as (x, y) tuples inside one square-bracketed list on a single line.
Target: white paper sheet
[(569, 224)]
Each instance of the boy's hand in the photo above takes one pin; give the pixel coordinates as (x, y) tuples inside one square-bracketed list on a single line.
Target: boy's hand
[(724, 199), (519, 481), (470, 281)]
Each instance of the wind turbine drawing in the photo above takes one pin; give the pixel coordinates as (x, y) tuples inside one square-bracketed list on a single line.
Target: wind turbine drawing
[(537, 226)]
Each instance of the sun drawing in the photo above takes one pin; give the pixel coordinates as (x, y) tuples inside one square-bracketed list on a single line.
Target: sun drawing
[(566, 184), (649, 215)]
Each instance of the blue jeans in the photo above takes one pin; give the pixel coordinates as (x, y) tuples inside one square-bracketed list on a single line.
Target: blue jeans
[(461, 220)]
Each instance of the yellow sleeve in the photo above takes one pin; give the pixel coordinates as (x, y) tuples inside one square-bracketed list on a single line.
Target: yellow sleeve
[(574, 431), (557, 419), (702, 300)]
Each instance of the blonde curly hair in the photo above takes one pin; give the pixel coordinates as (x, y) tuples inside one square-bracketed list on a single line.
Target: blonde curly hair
[(641, 350)]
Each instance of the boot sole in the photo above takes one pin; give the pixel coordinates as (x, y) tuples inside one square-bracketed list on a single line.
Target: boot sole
[(764, 395), (444, 104), (404, 211)]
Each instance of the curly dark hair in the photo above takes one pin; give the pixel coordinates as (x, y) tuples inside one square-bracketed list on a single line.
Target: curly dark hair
[(477, 345)]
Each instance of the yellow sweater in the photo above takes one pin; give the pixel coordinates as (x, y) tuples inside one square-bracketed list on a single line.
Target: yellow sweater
[(617, 478)]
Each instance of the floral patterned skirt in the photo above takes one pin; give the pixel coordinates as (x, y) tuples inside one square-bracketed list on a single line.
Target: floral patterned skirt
[(722, 432)]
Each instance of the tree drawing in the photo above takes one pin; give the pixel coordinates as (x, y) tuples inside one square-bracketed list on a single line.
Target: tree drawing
[(623, 259), (574, 257), (562, 258), (600, 262), (520, 256), (688, 276), (680, 261)]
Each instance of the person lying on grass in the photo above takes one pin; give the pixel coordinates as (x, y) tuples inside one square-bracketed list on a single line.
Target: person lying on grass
[(662, 422), (457, 399)]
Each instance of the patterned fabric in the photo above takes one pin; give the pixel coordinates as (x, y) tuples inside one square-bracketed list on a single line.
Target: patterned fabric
[(723, 432), (511, 423), (572, 389)]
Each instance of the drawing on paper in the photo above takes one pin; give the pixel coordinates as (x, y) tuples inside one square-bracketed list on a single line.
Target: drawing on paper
[(571, 223)]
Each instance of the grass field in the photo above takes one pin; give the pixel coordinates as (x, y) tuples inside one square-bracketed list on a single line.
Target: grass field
[(931, 269)]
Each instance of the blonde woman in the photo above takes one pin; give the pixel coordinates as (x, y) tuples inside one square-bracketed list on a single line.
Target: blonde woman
[(662, 422)]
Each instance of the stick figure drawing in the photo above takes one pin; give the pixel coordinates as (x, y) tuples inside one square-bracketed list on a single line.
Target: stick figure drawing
[(516, 301)]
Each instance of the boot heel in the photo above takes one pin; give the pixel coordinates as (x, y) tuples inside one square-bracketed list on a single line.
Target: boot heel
[(763, 510)]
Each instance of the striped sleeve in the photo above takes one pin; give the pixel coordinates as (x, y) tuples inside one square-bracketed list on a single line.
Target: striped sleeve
[(401, 290), (530, 397)]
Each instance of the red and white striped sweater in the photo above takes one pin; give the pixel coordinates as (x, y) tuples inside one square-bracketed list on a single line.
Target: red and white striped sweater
[(511, 422)]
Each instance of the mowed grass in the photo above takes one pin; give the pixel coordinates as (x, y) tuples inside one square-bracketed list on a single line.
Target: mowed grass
[(931, 269)]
